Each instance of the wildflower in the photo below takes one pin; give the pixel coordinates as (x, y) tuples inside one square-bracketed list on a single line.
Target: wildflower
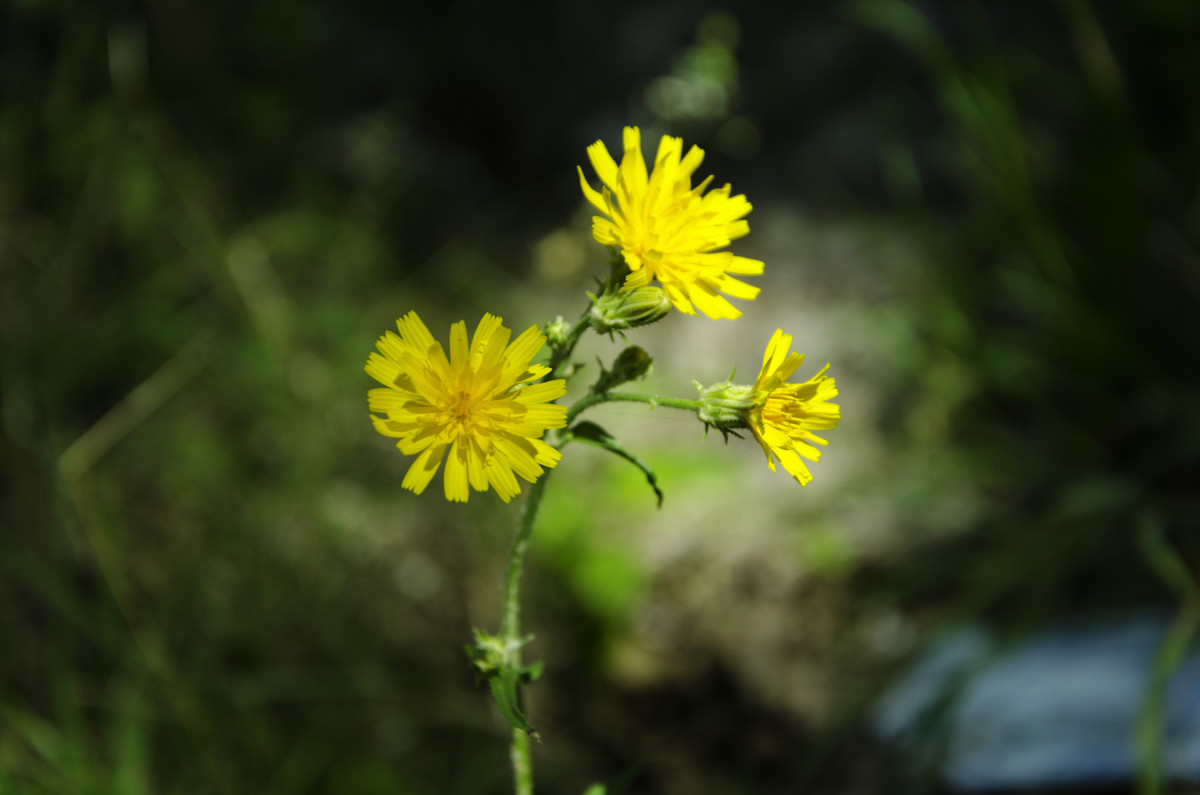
[(781, 416), (482, 404), (668, 230)]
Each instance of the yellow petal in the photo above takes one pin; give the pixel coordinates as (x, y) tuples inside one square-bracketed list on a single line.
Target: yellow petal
[(455, 480), (603, 164), (487, 335), (416, 336), (423, 469), (458, 346), (591, 194)]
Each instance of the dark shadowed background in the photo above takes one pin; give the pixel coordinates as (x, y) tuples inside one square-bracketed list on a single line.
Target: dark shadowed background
[(985, 215)]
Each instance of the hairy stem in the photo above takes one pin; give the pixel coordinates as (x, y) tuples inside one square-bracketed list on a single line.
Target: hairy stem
[(521, 762), (510, 626)]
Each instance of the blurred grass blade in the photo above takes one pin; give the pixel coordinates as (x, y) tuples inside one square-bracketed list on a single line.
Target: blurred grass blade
[(146, 398), (1171, 569)]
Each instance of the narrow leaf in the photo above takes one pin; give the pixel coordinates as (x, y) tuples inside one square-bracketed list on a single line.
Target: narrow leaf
[(592, 433), (504, 690)]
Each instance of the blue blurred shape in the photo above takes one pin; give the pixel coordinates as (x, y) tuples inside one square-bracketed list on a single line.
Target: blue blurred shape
[(1058, 709)]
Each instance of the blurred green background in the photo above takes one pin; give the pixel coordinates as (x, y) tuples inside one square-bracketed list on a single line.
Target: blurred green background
[(986, 216)]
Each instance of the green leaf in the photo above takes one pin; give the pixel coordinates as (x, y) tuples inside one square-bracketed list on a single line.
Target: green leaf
[(504, 690), (596, 789), (492, 658), (592, 433)]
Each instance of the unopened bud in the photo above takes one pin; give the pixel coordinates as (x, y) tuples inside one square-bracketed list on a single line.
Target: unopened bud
[(558, 331), (630, 365), (614, 310)]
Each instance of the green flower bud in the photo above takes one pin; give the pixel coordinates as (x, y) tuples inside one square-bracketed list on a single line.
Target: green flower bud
[(727, 405), (630, 365), (614, 310), (558, 331)]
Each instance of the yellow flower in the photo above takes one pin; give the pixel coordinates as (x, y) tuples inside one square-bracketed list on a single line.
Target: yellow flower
[(668, 230), (785, 415), (481, 403)]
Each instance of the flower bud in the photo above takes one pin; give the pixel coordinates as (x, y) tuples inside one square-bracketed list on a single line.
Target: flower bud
[(558, 331), (727, 405), (630, 365), (614, 310)]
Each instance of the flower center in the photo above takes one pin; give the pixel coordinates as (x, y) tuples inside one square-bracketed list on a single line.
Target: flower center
[(461, 409)]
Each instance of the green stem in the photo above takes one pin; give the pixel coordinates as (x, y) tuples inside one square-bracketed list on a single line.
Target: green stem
[(596, 398), (521, 762), (559, 356), (510, 626)]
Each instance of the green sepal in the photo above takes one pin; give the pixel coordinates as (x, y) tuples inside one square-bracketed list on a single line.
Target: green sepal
[(592, 433), (491, 657)]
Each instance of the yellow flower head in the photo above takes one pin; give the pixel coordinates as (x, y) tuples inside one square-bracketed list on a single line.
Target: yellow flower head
[(481, 403), (785, 415), (668, 230)]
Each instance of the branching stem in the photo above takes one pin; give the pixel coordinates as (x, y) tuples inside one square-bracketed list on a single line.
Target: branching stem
[(510, 626)]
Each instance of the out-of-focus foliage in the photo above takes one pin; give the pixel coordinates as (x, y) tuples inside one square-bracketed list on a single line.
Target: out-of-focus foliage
[(1057, 361), (209, 578)]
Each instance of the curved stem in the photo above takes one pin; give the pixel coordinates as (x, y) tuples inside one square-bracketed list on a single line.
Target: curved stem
[(596, 398)]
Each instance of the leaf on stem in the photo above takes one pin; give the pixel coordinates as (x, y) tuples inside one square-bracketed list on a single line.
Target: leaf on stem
[(592, 433), (491, 657), (504, 690)]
